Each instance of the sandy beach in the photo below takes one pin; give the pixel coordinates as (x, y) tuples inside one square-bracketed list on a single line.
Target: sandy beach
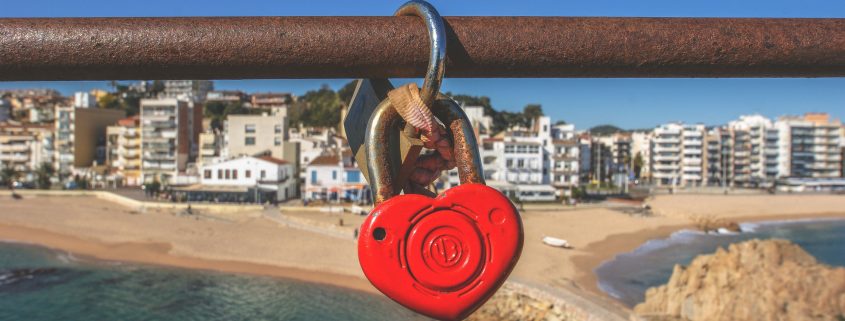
[(250, 242)]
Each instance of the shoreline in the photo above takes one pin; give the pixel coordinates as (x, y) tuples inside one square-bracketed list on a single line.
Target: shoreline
[(608, 249), (157, 254)]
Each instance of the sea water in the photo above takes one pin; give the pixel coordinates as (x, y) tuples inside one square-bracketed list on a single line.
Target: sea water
[(43, 284), (629, 275)]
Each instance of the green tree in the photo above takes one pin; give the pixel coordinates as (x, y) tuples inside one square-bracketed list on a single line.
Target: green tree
[(345, 93), (8, 176), (638, 164), (530, 112), (322, 108), (109, 101), (605, 130), (560, 122), (43, 174)]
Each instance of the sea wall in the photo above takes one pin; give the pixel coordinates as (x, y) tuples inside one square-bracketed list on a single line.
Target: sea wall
[(140, 205)]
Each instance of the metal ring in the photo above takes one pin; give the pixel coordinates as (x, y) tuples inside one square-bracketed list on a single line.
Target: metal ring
[(437, 40)]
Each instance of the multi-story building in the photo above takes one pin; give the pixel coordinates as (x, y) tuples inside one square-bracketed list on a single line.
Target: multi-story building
[(750, 135), (809, 146), (256, 134), (123, 154), (80, 140), (692, 154), (666, 154), (165, 138), (25, 148), (188, 90), (5, 109), (518, 161), (565, 159), (83, 99)]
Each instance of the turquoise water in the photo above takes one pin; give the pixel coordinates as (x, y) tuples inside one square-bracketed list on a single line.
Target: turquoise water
[(629, 275), (42, 284)]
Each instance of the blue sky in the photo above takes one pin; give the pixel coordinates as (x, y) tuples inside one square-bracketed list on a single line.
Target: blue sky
[(629, 103)]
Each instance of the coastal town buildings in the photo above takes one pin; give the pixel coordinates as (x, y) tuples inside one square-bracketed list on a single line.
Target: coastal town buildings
[(666, 154), (187, 90), (25, 147), (518, 160), (123, 156), (244, 179), (256, 134), (83, 99), (165, 139), (809, 146), (334, 177), (565, 161), (80, 140), (640, 154)]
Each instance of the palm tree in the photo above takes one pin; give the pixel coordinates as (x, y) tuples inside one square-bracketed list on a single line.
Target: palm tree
[(9, 175), (44, 173)]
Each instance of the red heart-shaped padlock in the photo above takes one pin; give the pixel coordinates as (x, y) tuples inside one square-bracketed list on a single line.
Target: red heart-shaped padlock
[(442, 257)]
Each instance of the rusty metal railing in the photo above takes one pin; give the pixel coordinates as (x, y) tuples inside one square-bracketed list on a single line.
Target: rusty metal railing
[(352, 47)]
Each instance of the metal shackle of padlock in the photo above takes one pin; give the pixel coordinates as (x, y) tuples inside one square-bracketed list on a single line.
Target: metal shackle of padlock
[(444, 256)]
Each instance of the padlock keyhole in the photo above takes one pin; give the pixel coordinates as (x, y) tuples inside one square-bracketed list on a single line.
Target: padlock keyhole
[(379, 234)]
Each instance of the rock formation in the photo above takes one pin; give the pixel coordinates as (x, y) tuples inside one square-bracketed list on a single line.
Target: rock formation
[(753, 280)]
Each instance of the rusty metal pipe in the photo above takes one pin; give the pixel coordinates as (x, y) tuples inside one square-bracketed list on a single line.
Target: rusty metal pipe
[(352, 47)]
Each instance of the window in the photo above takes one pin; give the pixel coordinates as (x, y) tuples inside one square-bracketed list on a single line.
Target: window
[(509, 163), (313, 177), (277, 129), (219, 174), (520, 163), (234, 174), (228, 174), (249, 141), (263, 174), (334, 174), (207, 174), (248, 174), (249, 128), (277, 141), (353, 176)]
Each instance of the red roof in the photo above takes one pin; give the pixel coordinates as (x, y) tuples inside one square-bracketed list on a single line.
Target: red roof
[(326, 160), (273, 160), (129, 121)]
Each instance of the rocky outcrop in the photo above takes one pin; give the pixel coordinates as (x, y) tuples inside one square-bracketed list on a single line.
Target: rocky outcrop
[(519, 302), (753, 280)]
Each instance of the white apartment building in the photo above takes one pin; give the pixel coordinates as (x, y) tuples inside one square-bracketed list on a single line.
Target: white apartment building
[(256, 134), (334, 177), (25, 147), (518, 162), (165, 141), (123, 154), (692, 155), (809, 146), (666, 154), (188, 90), (83, 99)]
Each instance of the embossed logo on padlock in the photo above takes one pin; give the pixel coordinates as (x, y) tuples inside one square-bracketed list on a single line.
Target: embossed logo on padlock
[(442, 257)]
